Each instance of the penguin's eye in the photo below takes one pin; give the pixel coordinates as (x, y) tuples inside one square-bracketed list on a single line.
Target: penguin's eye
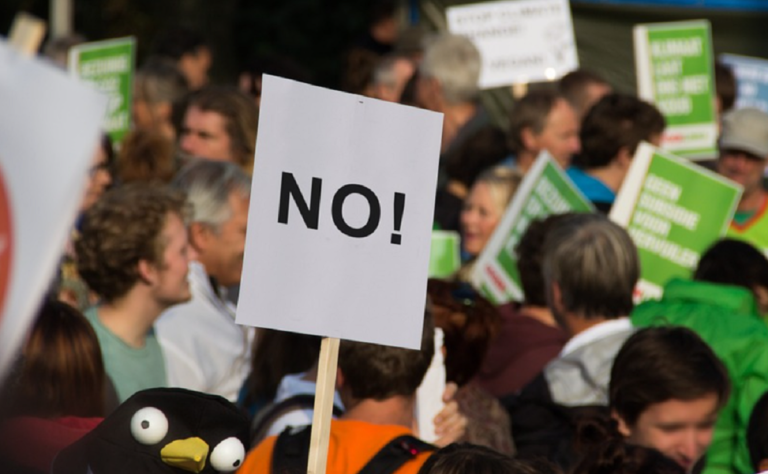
[(149, 426), (228, 455)]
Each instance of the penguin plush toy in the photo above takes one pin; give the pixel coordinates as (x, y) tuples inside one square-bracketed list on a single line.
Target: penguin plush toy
[(162, 431)]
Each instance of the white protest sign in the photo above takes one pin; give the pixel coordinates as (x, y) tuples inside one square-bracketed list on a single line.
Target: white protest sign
[(341, 213), (49, 129), (520, 41)]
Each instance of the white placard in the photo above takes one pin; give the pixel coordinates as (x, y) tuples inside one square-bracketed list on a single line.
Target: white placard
[(520, 41), (322, 254), (49, 129)]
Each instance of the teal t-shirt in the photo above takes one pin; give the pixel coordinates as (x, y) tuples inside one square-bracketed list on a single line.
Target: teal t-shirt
[(130, 369)]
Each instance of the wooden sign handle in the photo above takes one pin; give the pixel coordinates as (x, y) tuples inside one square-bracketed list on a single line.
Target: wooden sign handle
[(323, 411), (26, 34)]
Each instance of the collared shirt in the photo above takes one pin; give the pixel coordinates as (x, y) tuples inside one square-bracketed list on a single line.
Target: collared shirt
[(598, 331)]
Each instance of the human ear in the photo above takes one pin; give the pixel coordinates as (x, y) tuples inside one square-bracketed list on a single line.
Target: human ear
[(623, 427)]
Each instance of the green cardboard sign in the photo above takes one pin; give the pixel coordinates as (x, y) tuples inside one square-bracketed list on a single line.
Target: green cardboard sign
[(675, 71), (109, 67), (674, 210), (545, 190), (444, 256)]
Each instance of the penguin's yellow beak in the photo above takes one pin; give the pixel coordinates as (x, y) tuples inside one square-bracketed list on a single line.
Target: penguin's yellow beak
[(188, 454)]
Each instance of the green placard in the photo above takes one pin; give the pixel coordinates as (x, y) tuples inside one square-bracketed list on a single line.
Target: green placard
[(444, 257), (545, 190), (109, 66), (674, 210), (675, 72)]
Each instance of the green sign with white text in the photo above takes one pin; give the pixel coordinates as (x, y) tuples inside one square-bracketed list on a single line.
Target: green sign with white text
[(109, 66), (674, 210), (545, 190), (675, 72)]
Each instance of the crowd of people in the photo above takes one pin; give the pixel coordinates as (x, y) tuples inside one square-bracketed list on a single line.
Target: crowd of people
[(136, 347)]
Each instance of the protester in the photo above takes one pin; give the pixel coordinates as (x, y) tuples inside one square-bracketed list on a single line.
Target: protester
[(542, 120), (188, 50), (529, 337), (469, 322), (159, 89), (133, 253), (610, 134), (377, 385), (220, 124), (483, 150), (390, 76), (582, 88), (726, 88), (57, 49), (667, 388), (743, 155), (448, 83), (205, 350), (58, 392), (485, 206), (614, 456), (735, 262), (146, 156), (590, 270), (249, 80), (725, 317), (757, 435)]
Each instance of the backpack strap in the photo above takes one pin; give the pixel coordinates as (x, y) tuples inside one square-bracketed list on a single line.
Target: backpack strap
[(394, 454), (267, 416)]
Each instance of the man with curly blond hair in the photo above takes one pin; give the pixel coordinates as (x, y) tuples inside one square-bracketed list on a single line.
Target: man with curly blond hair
[(133, 253)]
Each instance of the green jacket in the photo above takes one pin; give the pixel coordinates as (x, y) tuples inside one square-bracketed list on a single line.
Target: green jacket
[(726, 317)]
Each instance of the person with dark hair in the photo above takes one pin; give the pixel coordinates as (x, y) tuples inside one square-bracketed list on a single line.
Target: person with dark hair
[(58, 392), (725, 88), (529, 337), (582, 89), (220, 124), (469, 323), (743, 159), (377, 385), (757, 435), (461, 458), (667, 388), (734, 262), (133, 253), (590, 269), (189, 50), (723, 313), (610, 455), (610, 134), (249, 79), (543, 120)]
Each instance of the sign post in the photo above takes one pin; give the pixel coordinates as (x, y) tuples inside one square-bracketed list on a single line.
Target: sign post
[(520, 41), (338, 235), (675, 71), (109, 67), (674, 210), (545, 190)]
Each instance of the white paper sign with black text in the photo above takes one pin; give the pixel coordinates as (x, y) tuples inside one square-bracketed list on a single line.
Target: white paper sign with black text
[(341, 214)]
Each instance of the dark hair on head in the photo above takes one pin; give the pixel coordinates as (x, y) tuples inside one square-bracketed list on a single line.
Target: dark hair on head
[(660, 364), (277, 354), (373, 371), (530, 259), (469, 323), (124, 227), (725, 86), (109, 150), (733, 262), (274, 65), (61, 372), (574, 85), (484, 149), (531, 111), (241, 118), (616, 121), (381, 10), (177, 41), (757, 433), (460, 458)]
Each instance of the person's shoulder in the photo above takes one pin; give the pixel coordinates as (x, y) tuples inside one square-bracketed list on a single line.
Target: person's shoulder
[(259, 459)]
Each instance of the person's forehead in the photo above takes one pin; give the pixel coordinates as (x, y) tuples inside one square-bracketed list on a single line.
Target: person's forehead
[(731, 151), (561, 113), (204, 119)]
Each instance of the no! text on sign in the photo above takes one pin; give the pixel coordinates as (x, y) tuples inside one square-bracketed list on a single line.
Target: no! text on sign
[(341, 214)]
